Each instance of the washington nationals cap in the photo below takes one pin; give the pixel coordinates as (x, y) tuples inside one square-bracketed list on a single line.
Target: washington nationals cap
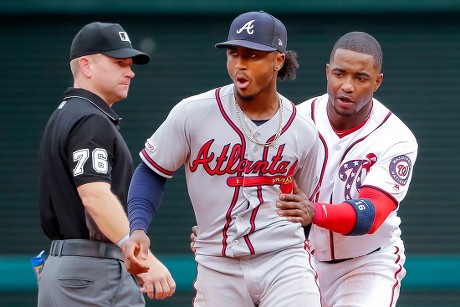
[(257, 30), (106, 38)]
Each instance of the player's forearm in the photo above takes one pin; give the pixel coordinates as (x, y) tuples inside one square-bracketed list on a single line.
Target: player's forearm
[(346, 217), (144, 197), (383, 202), (339, 218)]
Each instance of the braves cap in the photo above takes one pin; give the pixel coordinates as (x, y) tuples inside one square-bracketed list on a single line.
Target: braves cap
[(106, 38), (257, 30)]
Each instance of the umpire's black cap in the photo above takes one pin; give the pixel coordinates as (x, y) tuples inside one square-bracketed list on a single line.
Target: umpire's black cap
[(257, 30), (106, 38)]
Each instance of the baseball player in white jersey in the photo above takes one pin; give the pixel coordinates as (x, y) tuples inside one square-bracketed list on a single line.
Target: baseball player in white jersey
[(242, 146), (369, 158)]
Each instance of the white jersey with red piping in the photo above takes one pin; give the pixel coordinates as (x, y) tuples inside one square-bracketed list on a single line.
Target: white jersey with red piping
[(381, 154)]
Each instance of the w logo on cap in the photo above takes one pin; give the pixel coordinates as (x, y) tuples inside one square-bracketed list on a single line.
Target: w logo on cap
[(124, 36), (248, 26)]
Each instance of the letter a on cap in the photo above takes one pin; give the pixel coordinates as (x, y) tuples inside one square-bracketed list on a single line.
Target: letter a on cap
[(248, 26)]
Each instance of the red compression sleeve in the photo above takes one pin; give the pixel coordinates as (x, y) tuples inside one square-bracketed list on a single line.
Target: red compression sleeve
[(341, 218), (383, 204)]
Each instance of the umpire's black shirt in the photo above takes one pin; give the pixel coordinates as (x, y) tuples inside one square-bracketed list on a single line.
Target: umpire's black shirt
[(81, 144)]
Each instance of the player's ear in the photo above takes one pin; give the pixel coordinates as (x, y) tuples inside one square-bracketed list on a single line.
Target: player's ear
[(279, 60), (378, 82)]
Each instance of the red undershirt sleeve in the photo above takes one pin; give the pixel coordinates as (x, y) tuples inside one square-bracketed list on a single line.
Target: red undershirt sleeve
[(341, 218)]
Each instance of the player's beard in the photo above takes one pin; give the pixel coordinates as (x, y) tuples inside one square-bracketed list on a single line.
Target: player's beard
[(342, 112), (245, 98), (348, 112)]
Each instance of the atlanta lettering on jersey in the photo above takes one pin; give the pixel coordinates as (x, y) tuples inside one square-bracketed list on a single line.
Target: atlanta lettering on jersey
[(233, 162), (275, 172)]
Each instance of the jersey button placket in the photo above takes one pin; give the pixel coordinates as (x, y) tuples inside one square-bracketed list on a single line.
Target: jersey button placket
[(239, 224)]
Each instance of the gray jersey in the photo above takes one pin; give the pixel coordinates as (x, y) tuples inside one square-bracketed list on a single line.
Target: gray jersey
[(233, 182)]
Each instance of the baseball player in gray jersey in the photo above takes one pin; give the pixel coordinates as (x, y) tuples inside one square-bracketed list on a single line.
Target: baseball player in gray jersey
[(242, 146), (369, 158)]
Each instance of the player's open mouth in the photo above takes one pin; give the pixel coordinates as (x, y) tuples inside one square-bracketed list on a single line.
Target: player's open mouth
[(241, 82), (345, 101)]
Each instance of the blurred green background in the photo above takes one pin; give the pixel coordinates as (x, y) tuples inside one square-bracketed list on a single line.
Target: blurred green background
[(421, 45)]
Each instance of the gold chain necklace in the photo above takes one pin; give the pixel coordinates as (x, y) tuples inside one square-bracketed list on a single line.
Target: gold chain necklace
[(252, 136)]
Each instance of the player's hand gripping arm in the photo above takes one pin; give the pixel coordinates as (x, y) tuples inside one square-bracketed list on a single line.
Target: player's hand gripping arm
[(193, 238), (341, 218), (135, 252), (296, 207)]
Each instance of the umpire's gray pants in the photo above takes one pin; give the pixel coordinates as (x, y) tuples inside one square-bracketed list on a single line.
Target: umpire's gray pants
[(69, 281)]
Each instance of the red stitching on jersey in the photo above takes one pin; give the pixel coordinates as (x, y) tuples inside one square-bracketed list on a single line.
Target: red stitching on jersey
[(235, 180), (326, 155), (249, 244), (259, 188), (361, 139), (228, 217), (398, 258), (253, 228), (228, 120), (312, 113), (164, 171), (291, 118), (307, 248), (237, 189)]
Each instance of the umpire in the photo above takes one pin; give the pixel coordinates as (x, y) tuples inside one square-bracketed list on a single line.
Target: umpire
[(85, 170)]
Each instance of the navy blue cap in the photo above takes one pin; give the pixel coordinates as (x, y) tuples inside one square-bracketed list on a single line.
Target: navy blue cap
[(106, 38), (257, 30)]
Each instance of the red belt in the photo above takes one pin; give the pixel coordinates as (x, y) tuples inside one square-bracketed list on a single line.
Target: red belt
[(285, 182)]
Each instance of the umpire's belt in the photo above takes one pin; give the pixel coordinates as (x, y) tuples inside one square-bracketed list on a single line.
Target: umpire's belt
[(85, 248)]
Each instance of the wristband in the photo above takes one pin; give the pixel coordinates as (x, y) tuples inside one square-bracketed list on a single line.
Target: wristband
[(123, 240), (365, 215)]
